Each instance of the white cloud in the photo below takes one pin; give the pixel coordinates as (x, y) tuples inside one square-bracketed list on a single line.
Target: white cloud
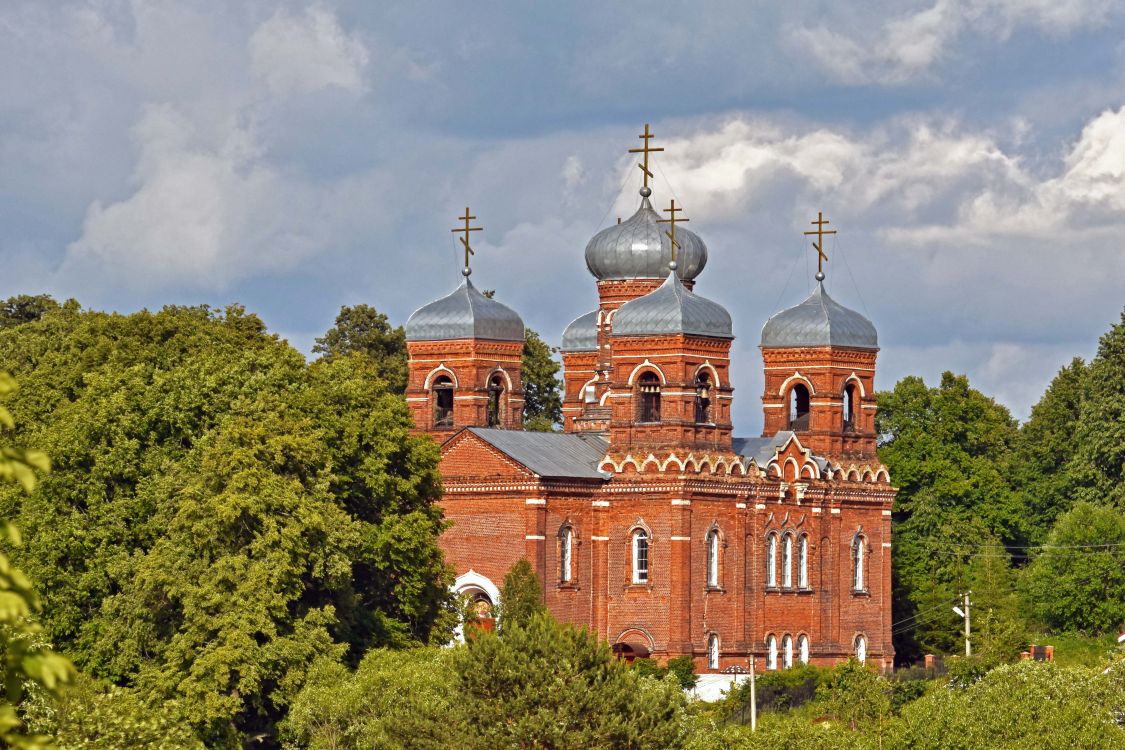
[(203, 213), (304, 53), (907, 46)]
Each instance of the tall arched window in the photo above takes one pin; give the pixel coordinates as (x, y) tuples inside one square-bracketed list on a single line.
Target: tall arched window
[(640, 556), (803, 648), (771, 561), (649, 386), (495, 400), (713, 651), (442, 391), (771, 651), (566, 554), (703, 398), (787, 561), (803, 561), (861, 649), (859, 553), (799, 407), (787, 651), (713, 558), (849, 407)]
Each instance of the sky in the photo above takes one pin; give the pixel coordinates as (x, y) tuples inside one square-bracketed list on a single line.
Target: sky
[(295, 157)]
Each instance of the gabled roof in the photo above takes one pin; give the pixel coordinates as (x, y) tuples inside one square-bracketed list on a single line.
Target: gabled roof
[(549, 454), (761, 449)]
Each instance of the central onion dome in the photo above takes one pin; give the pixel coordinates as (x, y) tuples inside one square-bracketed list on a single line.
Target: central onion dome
[(464, 314), (639, 248), (672, 309), (819, 321)]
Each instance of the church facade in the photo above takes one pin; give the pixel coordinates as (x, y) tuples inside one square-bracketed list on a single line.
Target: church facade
[(647, 520)]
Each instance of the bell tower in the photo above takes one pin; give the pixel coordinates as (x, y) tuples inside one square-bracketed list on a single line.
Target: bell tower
[(465, 353), (819, 360)]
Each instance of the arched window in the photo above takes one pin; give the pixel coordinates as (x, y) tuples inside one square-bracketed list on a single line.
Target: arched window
[(849, 407), (771, 561), (713, 651), (703, 398), (859, 553), (566, 554), (861, 649), (713, 558), (787, 651), (771, 651), (803, 561), (442, 390), (640, 556), (495, 400), (799, 407), (649, 386), (590, 394), (787, 561), (803, 648)]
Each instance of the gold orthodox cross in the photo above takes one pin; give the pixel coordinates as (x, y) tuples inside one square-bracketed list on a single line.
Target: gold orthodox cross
[(820, 231), (673, 220), (465, 240), (646, 149)]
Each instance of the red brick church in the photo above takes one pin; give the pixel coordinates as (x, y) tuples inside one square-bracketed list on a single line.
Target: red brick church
[(647, 520)]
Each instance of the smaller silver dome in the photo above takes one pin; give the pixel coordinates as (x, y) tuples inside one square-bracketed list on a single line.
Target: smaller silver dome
[(464, 314), (672, 309), (582, 334), (820, 321), (639, 248)]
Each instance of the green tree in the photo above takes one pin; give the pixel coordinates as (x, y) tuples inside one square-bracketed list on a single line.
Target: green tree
[(857, 697), (25, 308), (1077, 581), (550, 685), (542, 406), (1046, 444), (364, 330), (521, 596), (28, 662), (1096, 473)]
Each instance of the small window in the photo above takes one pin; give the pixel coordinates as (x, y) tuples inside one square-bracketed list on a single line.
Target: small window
[(566, 555), (803, 648), (861, 649), (771, 561), (703, 398), (713, 558), (787, 561), (443, 402), (771, 652), (590, 394), (849, 407), (803, 562), (495, 401), (799, 408), (787, 651), (649, 385), (713, 651), (640, 556), (859, 553)]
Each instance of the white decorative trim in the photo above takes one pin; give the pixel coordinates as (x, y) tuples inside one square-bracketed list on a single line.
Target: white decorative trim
[(759, 506), (773, 406), (599, 538), (887, 545), (740, 505), (643, 365), (473, 579), (600, 503), (534, 537), (796, 376), (886, 513), (853, 376), (441, 368), (680, 538), (834, 511), (818, 510), (681, 502), (535, 501)]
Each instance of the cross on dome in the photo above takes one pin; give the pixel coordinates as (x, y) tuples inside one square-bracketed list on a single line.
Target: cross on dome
[(820, 231), (673, 220), (465, 239), (646, 149)]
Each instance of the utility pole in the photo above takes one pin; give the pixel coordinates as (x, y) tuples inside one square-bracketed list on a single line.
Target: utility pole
[(968, 626), (753, 697)]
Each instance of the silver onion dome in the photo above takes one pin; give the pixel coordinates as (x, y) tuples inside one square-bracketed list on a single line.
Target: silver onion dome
[(638, 248), (464, 314), (671, 309), (819, 321), (582, 334)]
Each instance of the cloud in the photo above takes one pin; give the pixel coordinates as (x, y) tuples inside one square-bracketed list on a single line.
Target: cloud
[(204, 212), (298, 54), (905, 47)]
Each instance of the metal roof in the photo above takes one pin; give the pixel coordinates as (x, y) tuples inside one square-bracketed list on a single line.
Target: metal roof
[(464, 314), (672, 309), (582, 334), (550, 454), (763, 449), (820, 321), (639, 248)]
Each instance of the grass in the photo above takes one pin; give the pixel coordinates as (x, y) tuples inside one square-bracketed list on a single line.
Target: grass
[(1077, 650)]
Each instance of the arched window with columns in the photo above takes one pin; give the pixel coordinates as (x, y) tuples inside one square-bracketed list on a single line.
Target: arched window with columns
[(771, 560), (787, 561)]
